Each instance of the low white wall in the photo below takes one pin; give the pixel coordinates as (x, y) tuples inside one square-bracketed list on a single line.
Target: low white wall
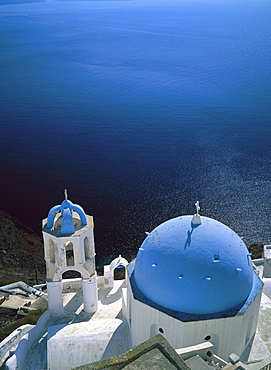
[(16, 362), (10, 343), (258, 262), (71, 285)]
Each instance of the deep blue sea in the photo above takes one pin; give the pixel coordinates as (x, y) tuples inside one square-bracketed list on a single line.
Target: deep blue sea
[(139, 108)]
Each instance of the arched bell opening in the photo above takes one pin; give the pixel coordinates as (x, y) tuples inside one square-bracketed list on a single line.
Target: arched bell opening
[(52, 256), (119, 273), (118, 268), (71, 274), (69, 254), (87, 248)]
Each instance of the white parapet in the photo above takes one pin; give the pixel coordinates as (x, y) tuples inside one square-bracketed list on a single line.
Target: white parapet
[(17, 361), (71, 285), (90, 294), (55, 300), (11, 342)]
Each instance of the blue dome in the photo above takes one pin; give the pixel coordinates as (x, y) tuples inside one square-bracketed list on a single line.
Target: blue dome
[(197, 269)]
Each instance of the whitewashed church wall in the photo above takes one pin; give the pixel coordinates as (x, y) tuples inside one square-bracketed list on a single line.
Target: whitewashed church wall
[(250, 321), (227, 334)]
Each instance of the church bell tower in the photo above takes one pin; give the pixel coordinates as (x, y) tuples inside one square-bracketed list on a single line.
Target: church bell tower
[(69, 245)]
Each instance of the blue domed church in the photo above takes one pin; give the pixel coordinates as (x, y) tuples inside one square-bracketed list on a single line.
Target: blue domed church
[(193, 281)]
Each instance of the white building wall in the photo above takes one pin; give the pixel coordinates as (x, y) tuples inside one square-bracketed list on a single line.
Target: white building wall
[(229, 335), (250, 321)]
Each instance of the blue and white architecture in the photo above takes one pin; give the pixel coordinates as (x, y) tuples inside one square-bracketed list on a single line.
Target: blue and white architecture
[(193, 281), (69, 245)]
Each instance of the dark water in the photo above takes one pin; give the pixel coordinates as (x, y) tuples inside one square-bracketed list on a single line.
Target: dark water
[(138, 108)]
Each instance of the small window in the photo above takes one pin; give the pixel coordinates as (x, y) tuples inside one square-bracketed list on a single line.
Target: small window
[(155, 329), (216, 257), (208, 337)]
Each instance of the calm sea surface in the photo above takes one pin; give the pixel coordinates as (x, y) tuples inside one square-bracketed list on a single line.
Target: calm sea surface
[(138, 108)]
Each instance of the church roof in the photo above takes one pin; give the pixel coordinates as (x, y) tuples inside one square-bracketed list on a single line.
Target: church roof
[(194, 265)]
